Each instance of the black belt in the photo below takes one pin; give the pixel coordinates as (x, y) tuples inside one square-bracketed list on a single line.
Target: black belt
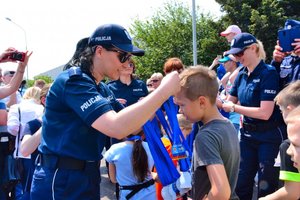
[(54, 162), (261, 127), (136, 188)]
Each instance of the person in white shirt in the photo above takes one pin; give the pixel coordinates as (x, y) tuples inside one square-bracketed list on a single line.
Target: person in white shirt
[(18, 115)]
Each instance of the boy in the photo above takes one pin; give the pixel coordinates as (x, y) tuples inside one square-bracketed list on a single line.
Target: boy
[(293, 128), (287, 100), (216, 150)]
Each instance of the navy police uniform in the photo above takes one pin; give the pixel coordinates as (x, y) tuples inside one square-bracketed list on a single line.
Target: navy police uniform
[(132, 92), (68, 166), (288, 69), (260, 139)]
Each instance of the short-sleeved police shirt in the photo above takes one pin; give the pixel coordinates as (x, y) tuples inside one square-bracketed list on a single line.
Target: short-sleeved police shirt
[(261, 85), (288, 69), (73, 103), (132, 92)]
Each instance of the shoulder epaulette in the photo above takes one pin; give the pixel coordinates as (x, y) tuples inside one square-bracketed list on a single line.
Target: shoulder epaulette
[(74, 71)]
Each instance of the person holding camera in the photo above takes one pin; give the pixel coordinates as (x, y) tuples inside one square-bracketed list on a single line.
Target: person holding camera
[(79, 115), (288, 63), (17, 78)]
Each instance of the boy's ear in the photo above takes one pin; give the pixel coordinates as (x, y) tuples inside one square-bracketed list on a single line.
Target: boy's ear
[(202, 100), (290, 107)]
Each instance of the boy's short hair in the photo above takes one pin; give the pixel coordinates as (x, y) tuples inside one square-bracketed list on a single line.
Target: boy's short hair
[(199, 81), (290, 95)]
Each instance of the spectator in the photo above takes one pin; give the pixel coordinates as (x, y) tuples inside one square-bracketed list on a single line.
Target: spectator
[(293, 129), (149, 85), (15, 82), (288, 63), (130, 165), (15, 97), (1, 81), (173, 64), (216, 150), (128, 89), (79, 113), (18, 116), (287, 99), (40, 83), (232, 69), (231, 32), (263, 129), (156, 79)]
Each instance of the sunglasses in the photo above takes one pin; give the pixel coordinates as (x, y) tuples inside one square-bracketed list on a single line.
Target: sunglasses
[(240, 54), (9, 73), (149, 85), (123, 56), (155, 81)]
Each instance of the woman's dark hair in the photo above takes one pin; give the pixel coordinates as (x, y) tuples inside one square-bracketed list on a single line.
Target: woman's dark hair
[(83, 56), (139, 156), (80, 47)]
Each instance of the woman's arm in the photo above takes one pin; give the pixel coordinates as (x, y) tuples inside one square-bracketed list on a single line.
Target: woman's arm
[(30, 143), (16, 80), (131, 118), (263, 112)]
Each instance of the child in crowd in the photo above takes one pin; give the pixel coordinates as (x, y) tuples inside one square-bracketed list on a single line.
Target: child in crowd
[(186, 128), (130, 165), (216, 148), (287, 100), (293, 128)]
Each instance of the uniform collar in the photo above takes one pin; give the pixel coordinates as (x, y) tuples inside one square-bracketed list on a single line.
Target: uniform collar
[(257, 69)]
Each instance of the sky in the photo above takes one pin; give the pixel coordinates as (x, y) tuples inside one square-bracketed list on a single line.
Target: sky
[(52, 28)]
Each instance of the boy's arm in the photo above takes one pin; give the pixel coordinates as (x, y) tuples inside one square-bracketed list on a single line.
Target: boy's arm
[(290, 190), (220, 188)]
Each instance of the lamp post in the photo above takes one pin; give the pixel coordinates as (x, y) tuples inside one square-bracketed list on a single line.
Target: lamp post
[(25, 36), (194, 33)]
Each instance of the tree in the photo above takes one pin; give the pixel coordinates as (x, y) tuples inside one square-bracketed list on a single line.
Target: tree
[(47, 79), (262, 18), (169, 34)]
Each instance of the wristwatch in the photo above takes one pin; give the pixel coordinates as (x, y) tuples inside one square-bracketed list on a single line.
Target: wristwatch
[(232, 108)]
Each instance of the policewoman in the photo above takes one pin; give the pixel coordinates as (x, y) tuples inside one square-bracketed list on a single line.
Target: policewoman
[(79, 113), (263, 129), (128, 88)]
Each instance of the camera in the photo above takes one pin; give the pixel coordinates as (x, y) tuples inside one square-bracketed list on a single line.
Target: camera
[(287, 37), (20, 56)]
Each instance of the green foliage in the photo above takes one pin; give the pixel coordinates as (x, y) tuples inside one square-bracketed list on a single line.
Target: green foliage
[(262, 18), (47, 79), (169, 34)]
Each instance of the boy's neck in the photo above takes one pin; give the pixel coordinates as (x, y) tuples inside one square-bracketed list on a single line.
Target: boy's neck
[(210, 114)]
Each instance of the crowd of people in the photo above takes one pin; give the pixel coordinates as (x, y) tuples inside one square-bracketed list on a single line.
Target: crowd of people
[(248, 136)]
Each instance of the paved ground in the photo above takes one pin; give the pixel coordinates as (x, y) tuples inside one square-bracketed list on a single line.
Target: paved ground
[(106, 187)]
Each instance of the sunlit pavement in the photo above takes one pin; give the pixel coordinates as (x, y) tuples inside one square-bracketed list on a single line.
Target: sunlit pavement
[(106, 187)]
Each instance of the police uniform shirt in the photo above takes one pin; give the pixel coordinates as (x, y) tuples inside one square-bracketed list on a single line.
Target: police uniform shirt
[(261, 85), (132, 92), (73, 103), (287, 170), (288, 69)]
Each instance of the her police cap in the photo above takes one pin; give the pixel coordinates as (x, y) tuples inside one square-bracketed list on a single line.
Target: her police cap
[(116, 35)]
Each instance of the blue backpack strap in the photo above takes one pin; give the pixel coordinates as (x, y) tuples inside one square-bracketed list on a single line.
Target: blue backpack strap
[(74, 72)]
